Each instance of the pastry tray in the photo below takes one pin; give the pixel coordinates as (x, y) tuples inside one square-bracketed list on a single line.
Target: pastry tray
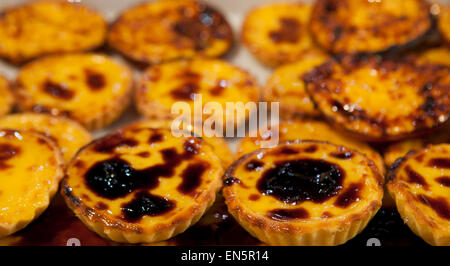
[(58, 226)]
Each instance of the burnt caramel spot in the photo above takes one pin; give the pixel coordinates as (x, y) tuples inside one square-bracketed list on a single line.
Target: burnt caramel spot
[(444, 180), (79, 164), (311, 149), (286, 151), (439, 205), (440, 163), (155, 137), (7, 151), (230, 181), (254, 165), (101, 206), (185, 91), (144, 203), (95, 81), (327, 215), (144, 154), (349, 196), (302, 180), (219, 88), (254, 197), (289, 31), (414, 177), (57, 90), (288, 214), (192, 177), (110, 143), (342, 155), (115, 178)]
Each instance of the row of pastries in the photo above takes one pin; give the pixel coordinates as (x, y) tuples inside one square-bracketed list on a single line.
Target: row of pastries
[(364, 97)]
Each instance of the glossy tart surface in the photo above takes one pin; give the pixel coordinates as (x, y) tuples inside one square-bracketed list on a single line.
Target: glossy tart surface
[(420, 185), (217, 81), (286, 86), (47, 27), (89, 88), (67, 134), (142, 185), (278, 33), (310, 129), (361, 26), (6, 97), (219, 144), (444, 22), (31, 167), (381, 99), (166, 30), (303, 193)]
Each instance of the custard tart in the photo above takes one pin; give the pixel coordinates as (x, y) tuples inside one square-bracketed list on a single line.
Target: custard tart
[(220, 146), (303, 193), (278, 33), (215, 81), (287, 87), (161, 31), (69, 135), (381, 99), (31, 167), (309, 129), (444, 23), (362, 26), (142, 184), (6, 97), (40, 28), (420, 185), (92, 89)]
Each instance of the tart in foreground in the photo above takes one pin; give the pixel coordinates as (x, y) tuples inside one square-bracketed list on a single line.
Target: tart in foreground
[(361, 26), (310, 129), (161, 31), (92, 89), (420, 185), (286, 86), (6, 97), (216, 81), (31, 167), (47, 27), (381, 99), (142, 185), (278, 33), (303, 193), (69, 135), (219, 145)]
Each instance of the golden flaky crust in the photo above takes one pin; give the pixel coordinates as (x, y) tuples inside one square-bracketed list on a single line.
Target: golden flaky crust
[(420, 187), (167, 30), (444, 22), (6, 96), (130, 215), (361, 26), (49, 27), (381, 99), (278, 33), (18, 208), (308, 228), (92, 89)]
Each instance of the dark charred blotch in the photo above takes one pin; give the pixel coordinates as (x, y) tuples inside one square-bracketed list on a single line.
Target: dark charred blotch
[(85, 197), (101, 206), (327, 215), (414, 177), (144, 154), (185, 91), (439, 205), (311, 149), (286, 151), (219, 88), (110, 143), (348, 196), (288, 214), (444, 180), (57, 90), (156, 137), (192, 177), (7, 151), (342, 155), (230, 181), (419, 158), (288, 32), (95, 81), (439, 163), (79, 164), (302, 180), (254, 197), (143, 204), (254, 165)]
